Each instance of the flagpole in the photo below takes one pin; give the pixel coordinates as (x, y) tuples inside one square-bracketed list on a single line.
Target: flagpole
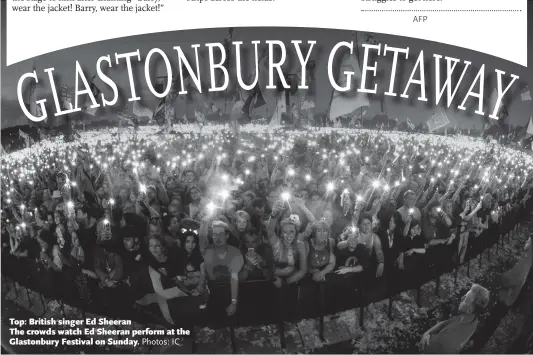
[(230, 30)]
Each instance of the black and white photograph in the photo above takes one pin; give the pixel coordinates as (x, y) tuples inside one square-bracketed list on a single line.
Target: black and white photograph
[(266, 190)]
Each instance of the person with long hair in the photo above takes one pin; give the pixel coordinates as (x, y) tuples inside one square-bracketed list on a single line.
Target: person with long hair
[(165, 272), (390, 236), (195, 276), (321, 251), (290, 254)]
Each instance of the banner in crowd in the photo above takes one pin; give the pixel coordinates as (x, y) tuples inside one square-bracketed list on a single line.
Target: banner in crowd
[(438, 120)]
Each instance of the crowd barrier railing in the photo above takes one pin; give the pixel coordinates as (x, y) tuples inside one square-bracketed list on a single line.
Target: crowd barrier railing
[(260, 302)]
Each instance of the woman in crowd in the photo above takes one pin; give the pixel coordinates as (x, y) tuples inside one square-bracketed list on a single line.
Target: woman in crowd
[(412, 250), (242, 225), (390, 238), (321, 251), (166, 271), (195, 276), (290, 254)]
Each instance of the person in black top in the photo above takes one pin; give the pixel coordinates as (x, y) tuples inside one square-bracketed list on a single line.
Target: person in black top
[(352, 256), (194, 282), (87, 230), (167, 273), (413, 249), (391, 239), (133, 260)]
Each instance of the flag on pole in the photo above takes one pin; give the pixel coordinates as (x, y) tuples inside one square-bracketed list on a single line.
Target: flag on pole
[(493, 101), (526, 94), (88, 103), (438, 120), (306, 98), (26, 137), (529, 129), (200, 117), (193, 94), (281, 108), (141, 111), (410, 124), (159, 115), (227, 43), (342, 104), (254, 100), (66, 97), (164, 112), (238, 103)]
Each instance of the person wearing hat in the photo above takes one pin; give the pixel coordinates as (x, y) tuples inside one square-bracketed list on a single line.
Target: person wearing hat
[(451, 336)]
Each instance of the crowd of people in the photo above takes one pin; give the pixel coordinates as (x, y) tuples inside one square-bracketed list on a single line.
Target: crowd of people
[(156, 218)]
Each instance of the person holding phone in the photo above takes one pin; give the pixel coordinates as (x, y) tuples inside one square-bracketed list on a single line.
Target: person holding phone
[(409, 211), (258, 256)]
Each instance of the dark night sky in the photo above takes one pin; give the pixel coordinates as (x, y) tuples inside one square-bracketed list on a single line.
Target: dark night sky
[(64, 63)]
